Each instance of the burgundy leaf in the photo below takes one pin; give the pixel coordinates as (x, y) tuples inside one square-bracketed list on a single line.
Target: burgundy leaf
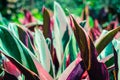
[(96, 70), (47, 24)]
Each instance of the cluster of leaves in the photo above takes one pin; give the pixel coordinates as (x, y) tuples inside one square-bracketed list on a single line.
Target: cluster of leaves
[(60, 48)]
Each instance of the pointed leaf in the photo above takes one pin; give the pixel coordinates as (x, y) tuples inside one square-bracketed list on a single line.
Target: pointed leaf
[(102, 42), (21, 53), (61, 19), (43, 51), (23, 34), (87, 48), (30, 75), (83, 43), (47, 28), (18, 51), (75, 66)]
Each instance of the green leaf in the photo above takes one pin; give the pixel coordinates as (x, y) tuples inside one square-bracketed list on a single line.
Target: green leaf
[(61, 19), (65, 39), (20, 53), (108, 60), (15, 48), (63, 24), (22, 34), (103, 41), (57, 39), (116, 44), (107, 53), (43, 52), (72, 50)]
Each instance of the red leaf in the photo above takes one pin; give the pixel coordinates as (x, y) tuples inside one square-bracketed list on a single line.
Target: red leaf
[(95, 31), (11, 68), (28, 17)]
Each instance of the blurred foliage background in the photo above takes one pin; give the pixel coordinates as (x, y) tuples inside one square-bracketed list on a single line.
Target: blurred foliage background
[(11, 9)]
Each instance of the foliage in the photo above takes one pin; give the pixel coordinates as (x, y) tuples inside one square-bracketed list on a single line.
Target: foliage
[(59, 47)]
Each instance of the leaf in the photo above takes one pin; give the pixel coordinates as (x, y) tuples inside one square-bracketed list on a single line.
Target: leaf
[(44, 75), (11, 68), (87, 48), (57, 39), (28, 17), (61, 19), (47, 28), (74, 71), (48, 33), (106, 55), (30, 75), (18, 51), (83, 43), (43, 52), (65, 39), (71, 51), (21, 53), (91, 22), (108, 60), (22, 34), (1, 74), (116, 44), (102, 42)]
